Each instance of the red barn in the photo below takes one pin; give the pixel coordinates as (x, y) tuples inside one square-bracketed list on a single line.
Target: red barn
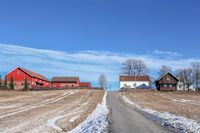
[(65, 82), (34, 79), (85, 84)]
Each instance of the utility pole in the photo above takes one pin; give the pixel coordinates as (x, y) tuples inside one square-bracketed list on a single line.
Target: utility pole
[(135, 85)]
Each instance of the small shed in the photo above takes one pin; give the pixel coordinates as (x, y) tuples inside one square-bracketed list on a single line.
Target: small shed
[(167, 82), (85, 85)]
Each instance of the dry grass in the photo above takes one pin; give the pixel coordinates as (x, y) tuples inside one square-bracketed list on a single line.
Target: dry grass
[(14, 116), (179, 103), (95, 99)]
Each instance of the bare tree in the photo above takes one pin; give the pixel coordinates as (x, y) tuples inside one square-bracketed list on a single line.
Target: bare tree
[(196, 74), (164, 69), (152, 82), (185, 76), (103, 81), (133, 67)]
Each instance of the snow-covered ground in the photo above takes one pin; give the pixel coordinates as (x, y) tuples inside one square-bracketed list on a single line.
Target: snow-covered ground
[(95, 122), (166, 119)]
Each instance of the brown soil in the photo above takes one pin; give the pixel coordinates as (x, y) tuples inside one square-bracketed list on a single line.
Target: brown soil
[(180, 103), (30, 111)]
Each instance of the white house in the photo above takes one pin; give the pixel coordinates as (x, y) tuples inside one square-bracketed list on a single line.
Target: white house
[(182, 87), (134, 81)]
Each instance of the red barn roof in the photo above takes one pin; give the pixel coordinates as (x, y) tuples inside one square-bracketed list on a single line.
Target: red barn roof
[(134, 78), (33, 74), (64, 79), (85, 84)]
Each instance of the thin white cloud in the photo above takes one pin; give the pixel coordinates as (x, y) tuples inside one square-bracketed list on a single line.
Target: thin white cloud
[(167, 53), (86, 64)]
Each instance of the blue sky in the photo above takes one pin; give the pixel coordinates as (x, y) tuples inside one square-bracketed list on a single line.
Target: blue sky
[(95, 36)]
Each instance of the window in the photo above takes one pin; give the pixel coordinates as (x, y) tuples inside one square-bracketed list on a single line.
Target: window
[(134, 85), (170, 85), (18, 72), (128, 87), (168, 79), (165, 85)]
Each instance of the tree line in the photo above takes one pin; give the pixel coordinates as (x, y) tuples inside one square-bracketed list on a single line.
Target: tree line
[(11, 85)]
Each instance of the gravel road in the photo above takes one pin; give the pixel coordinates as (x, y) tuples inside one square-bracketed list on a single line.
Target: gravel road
[(126, 120)]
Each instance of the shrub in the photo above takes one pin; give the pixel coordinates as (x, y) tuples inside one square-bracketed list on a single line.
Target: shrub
[(6, 83), (26, 87), (11, 84)]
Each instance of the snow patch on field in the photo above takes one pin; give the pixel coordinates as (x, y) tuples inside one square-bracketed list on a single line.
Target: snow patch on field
[(52, 122), (7, 106), (169, 120), (73, 118), (95, 122), (182, 100), (185, 101)]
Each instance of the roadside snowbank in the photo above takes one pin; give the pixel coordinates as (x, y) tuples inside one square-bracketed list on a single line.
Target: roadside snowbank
[(166, 119), (95, 122)]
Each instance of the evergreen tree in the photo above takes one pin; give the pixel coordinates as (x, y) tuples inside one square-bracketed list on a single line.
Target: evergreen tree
[(11, 84), (6, 83), (26, 87), (0, 83)]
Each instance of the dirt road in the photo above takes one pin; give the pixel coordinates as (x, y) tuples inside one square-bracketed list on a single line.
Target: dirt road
[(126, 120)]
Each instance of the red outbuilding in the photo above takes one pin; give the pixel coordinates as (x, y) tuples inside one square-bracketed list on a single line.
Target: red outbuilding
[(85, 85), (65, 82), (34, 80)]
